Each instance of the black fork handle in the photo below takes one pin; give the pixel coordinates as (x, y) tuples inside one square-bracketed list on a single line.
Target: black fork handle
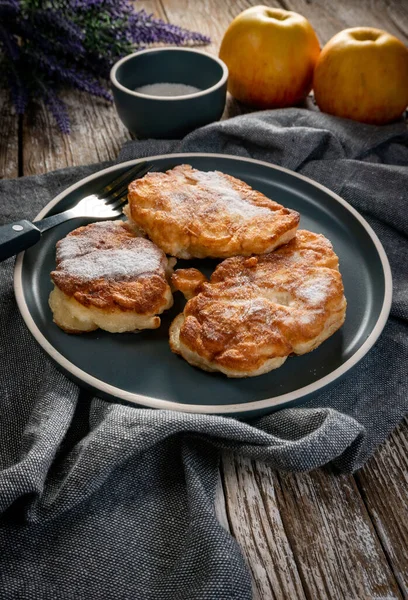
[(16, 237)]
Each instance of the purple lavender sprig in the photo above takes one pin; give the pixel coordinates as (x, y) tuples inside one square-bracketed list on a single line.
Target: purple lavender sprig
[(11, 51), (9, 7), (57, 21), (58, 110), (50, 44), (55, 45), (144, 29), (9, 44), (61, 71), (18, 92)]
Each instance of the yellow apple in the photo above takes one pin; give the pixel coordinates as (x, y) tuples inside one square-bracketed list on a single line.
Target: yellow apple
[(270, 54), (362, 74)]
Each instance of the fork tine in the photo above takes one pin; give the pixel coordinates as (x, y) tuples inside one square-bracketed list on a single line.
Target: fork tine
[(122, 188), (118, 180), (123, 179), (118, 202)]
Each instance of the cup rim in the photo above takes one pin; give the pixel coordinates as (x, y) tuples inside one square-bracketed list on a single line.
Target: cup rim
[(220, 83)]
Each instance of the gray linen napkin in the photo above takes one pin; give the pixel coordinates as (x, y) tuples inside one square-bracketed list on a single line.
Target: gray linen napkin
[(104, 500)]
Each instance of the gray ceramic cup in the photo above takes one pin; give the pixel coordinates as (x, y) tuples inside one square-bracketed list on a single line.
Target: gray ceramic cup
[(169, 117)]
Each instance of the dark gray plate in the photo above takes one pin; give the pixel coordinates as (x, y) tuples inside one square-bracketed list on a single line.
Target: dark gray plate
[(140, 368)]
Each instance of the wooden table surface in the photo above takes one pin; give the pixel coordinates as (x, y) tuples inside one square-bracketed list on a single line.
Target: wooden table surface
[(308, 536)]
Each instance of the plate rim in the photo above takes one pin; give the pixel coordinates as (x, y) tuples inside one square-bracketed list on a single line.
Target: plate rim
[(226, 409)]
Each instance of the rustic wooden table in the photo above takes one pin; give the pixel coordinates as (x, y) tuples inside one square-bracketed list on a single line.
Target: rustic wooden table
[(308, 536)]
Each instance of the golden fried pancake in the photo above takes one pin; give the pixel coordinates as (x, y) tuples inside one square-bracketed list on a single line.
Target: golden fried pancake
[(190, 213), (255, 312), (108, 277)]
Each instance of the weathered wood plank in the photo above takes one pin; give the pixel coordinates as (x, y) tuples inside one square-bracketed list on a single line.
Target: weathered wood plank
[(337, 550), (154, 7), (209, 17), (9, 137), (256, 523), (305, 535), (96, 136), (97, 133), (383, 482)]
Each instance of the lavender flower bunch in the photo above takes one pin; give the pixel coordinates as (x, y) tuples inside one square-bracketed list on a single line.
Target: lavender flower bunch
[(48, 44)]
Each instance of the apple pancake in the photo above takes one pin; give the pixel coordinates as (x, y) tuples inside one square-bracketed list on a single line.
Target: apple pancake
[(107, 277), (196, 214), (255, 312)]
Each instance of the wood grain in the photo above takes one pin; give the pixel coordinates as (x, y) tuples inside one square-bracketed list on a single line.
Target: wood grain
[(305, 535), (210, 17), (9, 137), (256, 523), (337, 550), (97, 135), (383, 482), (152, 7), (220, 504)]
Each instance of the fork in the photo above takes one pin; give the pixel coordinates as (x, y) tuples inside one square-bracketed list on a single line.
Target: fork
[(103, 204)]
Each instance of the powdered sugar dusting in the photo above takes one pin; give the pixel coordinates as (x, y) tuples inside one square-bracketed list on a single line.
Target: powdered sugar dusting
[(73, 245), (104, 250), (96, 235), (112, 264), (315, 291), (306, 318), (224, 197)]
